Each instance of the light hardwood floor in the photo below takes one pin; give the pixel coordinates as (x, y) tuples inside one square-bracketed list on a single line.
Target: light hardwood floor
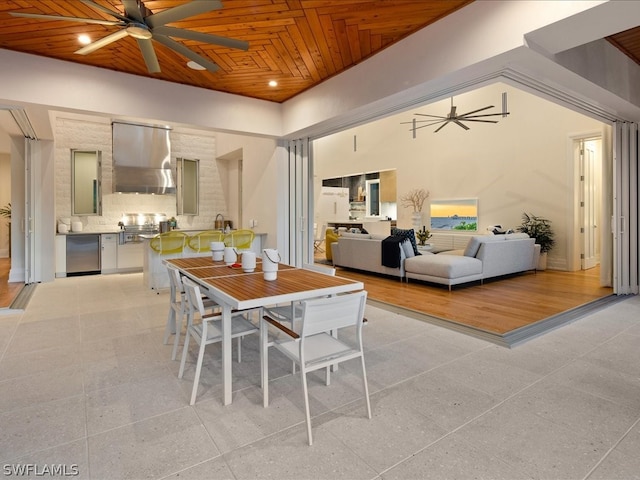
[(8, 291), (497, 306)]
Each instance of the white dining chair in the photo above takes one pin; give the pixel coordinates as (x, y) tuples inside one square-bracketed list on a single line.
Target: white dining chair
[(314, 347), (209, 330), (292, 312), (178, 309)]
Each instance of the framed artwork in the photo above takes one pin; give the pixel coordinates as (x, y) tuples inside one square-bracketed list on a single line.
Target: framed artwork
[(456, 214)]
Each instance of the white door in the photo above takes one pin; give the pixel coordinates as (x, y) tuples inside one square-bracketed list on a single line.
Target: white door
[(589, 202)]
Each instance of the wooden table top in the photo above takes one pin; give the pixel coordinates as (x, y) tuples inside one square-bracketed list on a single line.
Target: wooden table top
[(248, 290)]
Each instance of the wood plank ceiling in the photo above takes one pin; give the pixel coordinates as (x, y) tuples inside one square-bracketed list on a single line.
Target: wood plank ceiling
[(298, 43)]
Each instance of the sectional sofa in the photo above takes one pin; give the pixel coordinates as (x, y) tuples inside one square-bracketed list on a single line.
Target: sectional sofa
[(363, 252), (483, 257)]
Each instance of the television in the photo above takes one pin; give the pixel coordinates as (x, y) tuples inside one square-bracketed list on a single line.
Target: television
[(455, 214)]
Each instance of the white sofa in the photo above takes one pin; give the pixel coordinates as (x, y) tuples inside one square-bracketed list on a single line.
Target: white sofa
[(364, 252), (485, 256)]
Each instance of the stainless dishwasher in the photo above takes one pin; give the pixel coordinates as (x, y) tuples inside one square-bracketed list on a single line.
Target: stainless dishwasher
[(83, 254)]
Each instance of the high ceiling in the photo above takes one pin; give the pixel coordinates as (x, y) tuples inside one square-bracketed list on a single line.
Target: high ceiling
[(297, 43)]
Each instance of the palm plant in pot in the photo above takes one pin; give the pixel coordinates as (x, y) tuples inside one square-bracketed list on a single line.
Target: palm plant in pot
[(540, 229)]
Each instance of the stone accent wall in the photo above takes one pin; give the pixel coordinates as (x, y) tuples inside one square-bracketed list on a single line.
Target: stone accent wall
[(85, 135)]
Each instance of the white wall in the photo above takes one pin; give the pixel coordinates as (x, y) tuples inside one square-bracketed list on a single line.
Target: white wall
[(259, 180), (519, 164)]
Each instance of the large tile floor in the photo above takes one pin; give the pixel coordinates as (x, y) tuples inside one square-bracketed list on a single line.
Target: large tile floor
[(86, 382)]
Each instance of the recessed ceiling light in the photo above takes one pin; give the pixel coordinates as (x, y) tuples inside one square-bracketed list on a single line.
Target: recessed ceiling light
[(273, 83), (84, 39), (195, 66)]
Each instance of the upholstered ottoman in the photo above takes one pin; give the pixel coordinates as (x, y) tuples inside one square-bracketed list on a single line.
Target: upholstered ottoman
[(443, 269)]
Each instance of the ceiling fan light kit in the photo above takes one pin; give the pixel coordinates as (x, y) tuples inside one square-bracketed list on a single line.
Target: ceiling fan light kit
[(142, 24), (458, 119)]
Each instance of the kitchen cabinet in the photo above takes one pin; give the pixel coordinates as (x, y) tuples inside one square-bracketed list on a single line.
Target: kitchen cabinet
[(130, 256), (61, 255), (388, 190), (109, 253)]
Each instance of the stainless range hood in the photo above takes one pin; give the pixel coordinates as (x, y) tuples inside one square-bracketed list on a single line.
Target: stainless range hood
[(142, 159)]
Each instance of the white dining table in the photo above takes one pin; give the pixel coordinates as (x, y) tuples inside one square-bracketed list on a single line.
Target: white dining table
[(233, 289)]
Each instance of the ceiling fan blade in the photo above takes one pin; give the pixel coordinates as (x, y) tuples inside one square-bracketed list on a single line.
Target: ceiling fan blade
[(485, 115), (432, 116), (149, 55), (202, 37), (175, 14), (476, 111), (478, 120), (92, 47), (132, 8), (430, 124), (457, 122), (191, 55), (106, 10), (70, 19), (441, 127)]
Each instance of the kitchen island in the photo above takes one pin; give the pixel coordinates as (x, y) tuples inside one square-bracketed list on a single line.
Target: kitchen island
[(154, 273)]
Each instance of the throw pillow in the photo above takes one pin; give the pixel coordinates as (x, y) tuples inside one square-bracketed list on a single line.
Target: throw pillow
[(409, 235), (408, 249)]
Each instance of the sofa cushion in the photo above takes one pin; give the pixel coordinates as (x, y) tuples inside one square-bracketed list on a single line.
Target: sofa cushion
[(408, 249), (474, 243), (445, 266), (409, 235)]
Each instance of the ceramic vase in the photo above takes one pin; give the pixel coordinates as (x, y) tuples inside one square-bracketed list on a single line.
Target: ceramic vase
[(416, 220)]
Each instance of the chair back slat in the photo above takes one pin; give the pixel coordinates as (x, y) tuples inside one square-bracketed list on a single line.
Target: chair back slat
[(332, 313), (175, 282), (194, 296)]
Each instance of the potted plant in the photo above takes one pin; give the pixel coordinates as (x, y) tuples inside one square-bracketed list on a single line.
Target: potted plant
[(6, 213), (540, 229), (423, 235)]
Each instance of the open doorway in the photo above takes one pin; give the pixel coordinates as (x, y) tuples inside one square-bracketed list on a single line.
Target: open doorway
[(588, 153)]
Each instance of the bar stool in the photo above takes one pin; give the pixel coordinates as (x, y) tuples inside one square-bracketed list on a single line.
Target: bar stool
[(201, 242)]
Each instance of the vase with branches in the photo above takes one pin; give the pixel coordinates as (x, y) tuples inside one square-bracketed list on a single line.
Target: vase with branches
[(415, 199)]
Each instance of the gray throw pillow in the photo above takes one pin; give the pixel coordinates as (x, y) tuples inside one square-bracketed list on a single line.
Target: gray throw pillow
[(408, 249)]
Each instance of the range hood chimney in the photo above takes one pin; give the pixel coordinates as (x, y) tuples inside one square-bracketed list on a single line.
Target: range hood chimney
[(142, 159)]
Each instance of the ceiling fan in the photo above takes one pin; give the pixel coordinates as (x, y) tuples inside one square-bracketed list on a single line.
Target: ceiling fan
[(458, 119), (143, 25)]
